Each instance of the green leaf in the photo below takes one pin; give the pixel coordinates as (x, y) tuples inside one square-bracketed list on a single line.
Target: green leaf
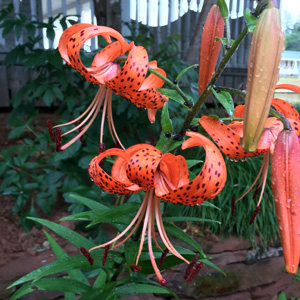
[(133, 289), (100, 280), (181, 235), (73, 237), (193, 162), (92, 204), (60, 254), (48, 97), (52, 284), (16, 132), (61, 265), (189, 219), (223, 9), (250, 20), (116, 212), (165, 144), (173, 94), (184, 71), (166, 122), (226, 100), (131, 251)]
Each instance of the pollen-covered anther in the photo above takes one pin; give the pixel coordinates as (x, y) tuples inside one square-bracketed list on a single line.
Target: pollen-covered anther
[(49, 124), (255, 213), (58, 140), (163, 256), (232, 205), (106, 249), (196, 270), (87, 254), (135, 268), (191, 266)]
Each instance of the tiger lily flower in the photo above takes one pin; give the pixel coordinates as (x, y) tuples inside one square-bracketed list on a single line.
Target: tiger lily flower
[(283, 145), (130, 81), (228, 138), (210, 48), (165, 176)]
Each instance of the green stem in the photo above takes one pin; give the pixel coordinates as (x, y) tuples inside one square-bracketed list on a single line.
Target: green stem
[(173, 86), (191, 114), (241, 93), (282, 118), (31, 130)]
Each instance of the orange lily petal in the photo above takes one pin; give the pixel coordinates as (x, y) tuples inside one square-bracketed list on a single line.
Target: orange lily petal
[(65, 39), (107, 182), (130, 82), (286, 109), (292, 87), (173, 172), (227, 139), (142, 166), (209, 182)]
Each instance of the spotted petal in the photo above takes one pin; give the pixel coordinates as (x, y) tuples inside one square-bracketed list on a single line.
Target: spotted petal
[(73, 39), (108, 183), (132, 84), (208, 183)]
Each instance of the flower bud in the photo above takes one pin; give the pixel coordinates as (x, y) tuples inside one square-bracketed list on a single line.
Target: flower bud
[(210, 48), (285, 167), (263, 70)]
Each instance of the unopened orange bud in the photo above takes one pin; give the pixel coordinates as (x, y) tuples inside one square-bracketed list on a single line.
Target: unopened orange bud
[(210, 48), (285, 167), (263, 70)]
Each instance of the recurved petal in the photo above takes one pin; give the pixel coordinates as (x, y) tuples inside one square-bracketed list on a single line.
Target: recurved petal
[(209, 182), (67, 36), (286, 109), (173, 172), (77, 40), (227, 139), (108, 183), (132, 84), (142, 166)]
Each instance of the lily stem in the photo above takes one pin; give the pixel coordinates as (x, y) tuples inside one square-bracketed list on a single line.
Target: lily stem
[(282, 118), (241, 93), (191, 114), (173, 86)]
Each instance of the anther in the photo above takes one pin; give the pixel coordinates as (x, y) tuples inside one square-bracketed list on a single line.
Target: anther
[(232, 205), (191, 266), (106, 249), (195, 271), (101, 148), (87, 254), (163, 256), (255, 213), (49, 124), (135, 268), (58, 139)]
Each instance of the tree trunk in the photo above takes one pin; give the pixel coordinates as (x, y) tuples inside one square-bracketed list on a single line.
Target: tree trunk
[(193, 53), (108, 13)]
